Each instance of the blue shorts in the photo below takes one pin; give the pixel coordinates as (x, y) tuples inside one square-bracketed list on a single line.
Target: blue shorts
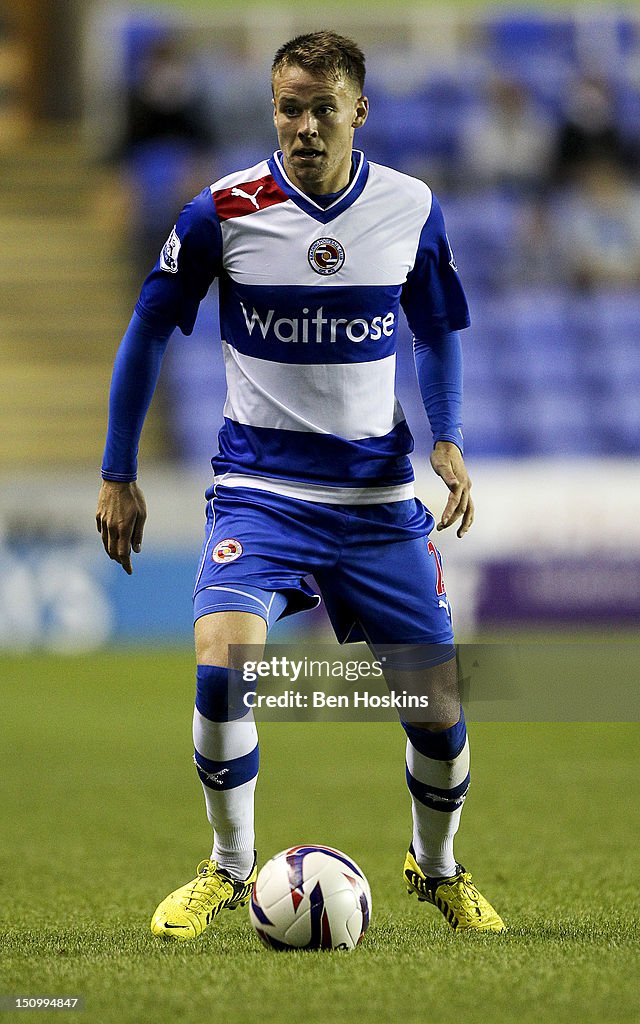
[(378, 573)]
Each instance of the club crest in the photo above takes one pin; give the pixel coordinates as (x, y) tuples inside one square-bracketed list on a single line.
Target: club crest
[(326, 256), (227, 550)]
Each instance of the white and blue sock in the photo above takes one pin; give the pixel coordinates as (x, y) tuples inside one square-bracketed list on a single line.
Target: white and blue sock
[(438, 780), (227, 759)]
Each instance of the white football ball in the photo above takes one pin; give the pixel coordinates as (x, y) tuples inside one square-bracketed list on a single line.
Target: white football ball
[(311, 897)]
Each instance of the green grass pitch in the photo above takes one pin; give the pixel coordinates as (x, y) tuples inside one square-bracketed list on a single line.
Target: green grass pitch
[(102, 815)]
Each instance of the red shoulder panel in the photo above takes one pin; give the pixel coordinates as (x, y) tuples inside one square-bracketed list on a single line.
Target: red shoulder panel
[(248, 197)]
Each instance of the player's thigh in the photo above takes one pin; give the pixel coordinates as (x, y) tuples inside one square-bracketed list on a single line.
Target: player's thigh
[(393, 595), (389, 594), (217, 632)]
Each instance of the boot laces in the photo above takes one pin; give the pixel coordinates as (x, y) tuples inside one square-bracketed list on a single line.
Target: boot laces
[(208, 885)]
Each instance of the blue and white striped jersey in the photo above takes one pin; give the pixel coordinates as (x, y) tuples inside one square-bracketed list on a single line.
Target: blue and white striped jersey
[(309, 305)]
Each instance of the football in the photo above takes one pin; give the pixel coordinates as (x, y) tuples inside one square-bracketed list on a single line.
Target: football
[(311, 897)]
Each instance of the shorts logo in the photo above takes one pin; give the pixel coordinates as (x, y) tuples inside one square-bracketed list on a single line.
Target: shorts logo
[(169, 254), (326, 256), (227, 550)]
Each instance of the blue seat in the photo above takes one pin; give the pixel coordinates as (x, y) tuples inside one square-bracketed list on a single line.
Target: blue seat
[(401, 128), (613, 367), (239, 156), (529, 342), (519, 37), (480, 356), (616, 315), (557, 422), (619, 419), (488, 429), (482, 230)]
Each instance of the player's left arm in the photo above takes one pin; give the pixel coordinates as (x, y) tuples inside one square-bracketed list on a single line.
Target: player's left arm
[(436, 308), (439, 369)]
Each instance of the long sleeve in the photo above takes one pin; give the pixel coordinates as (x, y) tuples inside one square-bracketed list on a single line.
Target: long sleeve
[(439, 369), (135, 375)]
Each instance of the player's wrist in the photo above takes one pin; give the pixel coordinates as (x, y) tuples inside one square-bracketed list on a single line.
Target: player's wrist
[(447, 444), (118, 481)]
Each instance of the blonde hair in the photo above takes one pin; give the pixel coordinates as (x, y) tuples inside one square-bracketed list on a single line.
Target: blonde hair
[(324, 53)]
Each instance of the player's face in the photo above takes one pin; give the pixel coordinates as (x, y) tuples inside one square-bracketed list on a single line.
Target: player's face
[(315, 118)]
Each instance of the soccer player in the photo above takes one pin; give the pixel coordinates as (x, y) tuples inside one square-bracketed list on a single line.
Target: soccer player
[(314, 249)]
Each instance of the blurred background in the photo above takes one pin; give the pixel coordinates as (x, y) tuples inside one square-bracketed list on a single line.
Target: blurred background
[(525, 121)]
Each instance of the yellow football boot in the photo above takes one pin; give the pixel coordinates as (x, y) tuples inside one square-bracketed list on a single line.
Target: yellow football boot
[(456, 898), (185, 913)]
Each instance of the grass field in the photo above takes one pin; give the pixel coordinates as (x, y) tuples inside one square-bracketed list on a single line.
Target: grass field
[(102, 815)]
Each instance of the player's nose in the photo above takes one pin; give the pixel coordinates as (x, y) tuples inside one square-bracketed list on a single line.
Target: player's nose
[(308, 125)]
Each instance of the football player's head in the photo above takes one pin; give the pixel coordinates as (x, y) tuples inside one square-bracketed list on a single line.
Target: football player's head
[(317, 82)]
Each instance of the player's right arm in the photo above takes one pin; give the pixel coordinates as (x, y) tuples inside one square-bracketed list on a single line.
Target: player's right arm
[(170, 297)]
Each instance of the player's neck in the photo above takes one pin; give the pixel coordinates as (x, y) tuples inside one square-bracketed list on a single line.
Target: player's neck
[(325, 199)]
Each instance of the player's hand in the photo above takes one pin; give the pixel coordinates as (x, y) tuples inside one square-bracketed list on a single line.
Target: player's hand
[(120, 518), (448, 463)]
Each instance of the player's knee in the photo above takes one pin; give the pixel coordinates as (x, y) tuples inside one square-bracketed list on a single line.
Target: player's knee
[(220, 693), (439, 740)]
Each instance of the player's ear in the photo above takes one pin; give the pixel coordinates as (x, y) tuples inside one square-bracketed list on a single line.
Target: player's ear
[(362, 112), (273, 104)]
